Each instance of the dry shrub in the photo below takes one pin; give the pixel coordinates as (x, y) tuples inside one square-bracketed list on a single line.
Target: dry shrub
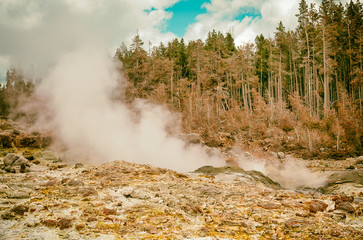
[(159, 94), (261, 116), (302, 112), (350, 124), (270, 126), (310, 141), (285, 119), (277, 138)]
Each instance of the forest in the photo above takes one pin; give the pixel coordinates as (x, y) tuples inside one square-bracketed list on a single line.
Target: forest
[(300, 92)]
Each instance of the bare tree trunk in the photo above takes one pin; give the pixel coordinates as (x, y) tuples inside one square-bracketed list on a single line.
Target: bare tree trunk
[(191, 103), (249, 97), (360, 97), (198, 72), (291, 72), (326, 77), (279, 83), (261, 78), (297, 89), (308, 75), (317, 94), (271, 89), (171, 83), (316, 91), (361, 70)]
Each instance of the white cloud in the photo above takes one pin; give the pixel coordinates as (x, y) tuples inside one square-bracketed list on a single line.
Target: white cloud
[(35, 33), (221, 13)]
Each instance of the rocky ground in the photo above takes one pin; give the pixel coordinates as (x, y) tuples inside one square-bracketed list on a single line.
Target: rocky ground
[(43, 196), (46, 198)]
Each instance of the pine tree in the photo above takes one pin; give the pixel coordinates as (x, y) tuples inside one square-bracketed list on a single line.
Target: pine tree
[(262, 58)]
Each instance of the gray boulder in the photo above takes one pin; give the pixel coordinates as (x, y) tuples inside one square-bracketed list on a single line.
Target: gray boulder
[(15, 163)]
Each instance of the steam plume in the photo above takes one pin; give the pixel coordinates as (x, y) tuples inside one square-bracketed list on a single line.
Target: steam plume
[(291, 173), (79, 93)]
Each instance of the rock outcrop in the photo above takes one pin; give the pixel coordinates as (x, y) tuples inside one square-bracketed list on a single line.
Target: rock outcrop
[(131, 201)]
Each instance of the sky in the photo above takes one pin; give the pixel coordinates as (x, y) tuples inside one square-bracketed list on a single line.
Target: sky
[(35, 32)]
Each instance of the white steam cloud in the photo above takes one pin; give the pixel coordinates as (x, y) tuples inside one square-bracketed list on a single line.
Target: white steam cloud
[(79, 91), (290, 173)]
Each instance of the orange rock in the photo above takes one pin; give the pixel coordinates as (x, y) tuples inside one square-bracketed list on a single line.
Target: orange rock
[(317, 206), (232, 162)]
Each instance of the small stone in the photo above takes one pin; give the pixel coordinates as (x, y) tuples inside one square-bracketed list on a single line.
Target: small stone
[(351, 167), (78, 165), (31, 223), (4, 188), (10, 169), (91, 219), (234, 223), (23, 168), (342, 198), (359, 161), (65, 181), (88, 191), (316, 206), (281, 155), (107, 211), (303, 214), (29, 157), (64, 223), (21, 161), (49, 222), (232, 162), (80, 227), (18, 195), (51, 183), (271, 206), (75, 183), (339, 216), (293, 223), (10, 158), (8, 215), (335, 233), (36, 162), (346, 206), (20, 210), (16, 132)]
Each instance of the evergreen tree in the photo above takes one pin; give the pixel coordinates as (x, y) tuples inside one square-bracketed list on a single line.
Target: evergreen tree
[(262, 58)]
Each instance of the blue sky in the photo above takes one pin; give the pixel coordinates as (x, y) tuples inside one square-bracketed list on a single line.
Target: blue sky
[(186, 11)]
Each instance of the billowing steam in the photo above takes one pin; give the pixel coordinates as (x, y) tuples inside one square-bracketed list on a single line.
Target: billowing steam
[(294, 174), (290, 173), (79, 92), (80, 109)]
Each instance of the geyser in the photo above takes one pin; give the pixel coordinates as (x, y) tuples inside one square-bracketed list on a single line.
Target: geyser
[(78, 91)]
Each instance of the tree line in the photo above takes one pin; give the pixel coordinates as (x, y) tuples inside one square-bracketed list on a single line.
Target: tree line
[(307, 82), (299, 91)]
